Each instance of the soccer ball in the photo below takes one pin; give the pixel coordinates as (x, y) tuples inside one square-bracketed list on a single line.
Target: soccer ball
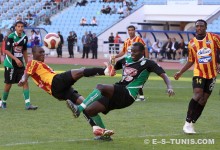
[(51, 40)]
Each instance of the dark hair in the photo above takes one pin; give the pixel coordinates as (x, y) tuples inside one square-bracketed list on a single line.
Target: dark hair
[(131, 26), (19, 22), (201, 20), (34, 48), (140, 45)]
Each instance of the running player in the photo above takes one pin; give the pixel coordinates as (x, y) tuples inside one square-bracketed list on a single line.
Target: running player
[(127, 50), (203, 54), (60, 85), (16, 51), (136, 70)]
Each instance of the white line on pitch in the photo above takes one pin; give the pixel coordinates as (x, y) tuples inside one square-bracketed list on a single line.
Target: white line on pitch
[(78, 140)]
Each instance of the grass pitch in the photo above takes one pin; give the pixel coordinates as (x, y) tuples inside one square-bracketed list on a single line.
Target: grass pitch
[(154, 124)]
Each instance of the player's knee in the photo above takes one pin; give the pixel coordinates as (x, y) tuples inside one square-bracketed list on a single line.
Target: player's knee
[(100, 87)]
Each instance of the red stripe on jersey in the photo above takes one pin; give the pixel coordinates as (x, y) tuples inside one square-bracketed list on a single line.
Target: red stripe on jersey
[(213, 54)]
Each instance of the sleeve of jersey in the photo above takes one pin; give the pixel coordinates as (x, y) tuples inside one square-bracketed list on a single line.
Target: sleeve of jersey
[(31, 67), (191, 57), (154, 67), (9, 44), (217, 43), (119, 63), (124, 49), (142, 41)]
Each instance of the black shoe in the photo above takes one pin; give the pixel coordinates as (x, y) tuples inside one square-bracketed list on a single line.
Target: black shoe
[(31, 107), (73, 108)]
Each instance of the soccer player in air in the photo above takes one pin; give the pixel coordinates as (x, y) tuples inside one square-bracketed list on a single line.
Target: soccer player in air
[(60, 85), (203, 54), (136, 70), (127, 50), (16, 54)]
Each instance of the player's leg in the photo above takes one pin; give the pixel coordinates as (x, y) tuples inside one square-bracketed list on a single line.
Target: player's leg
[(9, 79), (86, 72), (141, 95), (26, 94), (5, 94), (101, 90), (198, 85), (207, 90), (99, 131)]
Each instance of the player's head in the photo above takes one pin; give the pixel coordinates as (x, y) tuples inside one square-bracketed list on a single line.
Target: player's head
[(137, 51), (131, 31), (201, 26), (38, 53), (19, 27)]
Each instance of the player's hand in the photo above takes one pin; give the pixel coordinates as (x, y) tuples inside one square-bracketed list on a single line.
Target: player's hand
[(21, 82), (18, 62), (170, 92), (177, 75), (112, 60)]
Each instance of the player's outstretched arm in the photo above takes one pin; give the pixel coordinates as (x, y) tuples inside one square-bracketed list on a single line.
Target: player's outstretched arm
[(23, 80), (167, 81), (178, 74)]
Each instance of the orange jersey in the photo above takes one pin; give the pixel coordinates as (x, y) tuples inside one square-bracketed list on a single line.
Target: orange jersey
[(41, 73), (127, 44), (204, 55)]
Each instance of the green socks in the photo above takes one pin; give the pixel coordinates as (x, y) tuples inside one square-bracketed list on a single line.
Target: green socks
[(98, 120), (4, 96), (94, 96), (26, 94)]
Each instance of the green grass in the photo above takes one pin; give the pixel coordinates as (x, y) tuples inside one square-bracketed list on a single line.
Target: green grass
[(52, 126)]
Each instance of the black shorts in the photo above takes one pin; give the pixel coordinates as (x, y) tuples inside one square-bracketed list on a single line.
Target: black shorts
[(206, 84), (13, 75), (62, 87), (120, 99)]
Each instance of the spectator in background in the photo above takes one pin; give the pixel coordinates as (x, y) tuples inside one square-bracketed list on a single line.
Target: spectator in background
[(117, 41), (120, 10), (113, 10), (85, 42), (32, 37), (182, 50), (60, 45), (146, 40), (111, 43), (47, 21), (37, 38), (83, 21), (155, 49), (29, 15), (71, 40), (93, 21), (166, 48), (103, 9), (81, 3), (174, 47), (94, 46), (47, 3)]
